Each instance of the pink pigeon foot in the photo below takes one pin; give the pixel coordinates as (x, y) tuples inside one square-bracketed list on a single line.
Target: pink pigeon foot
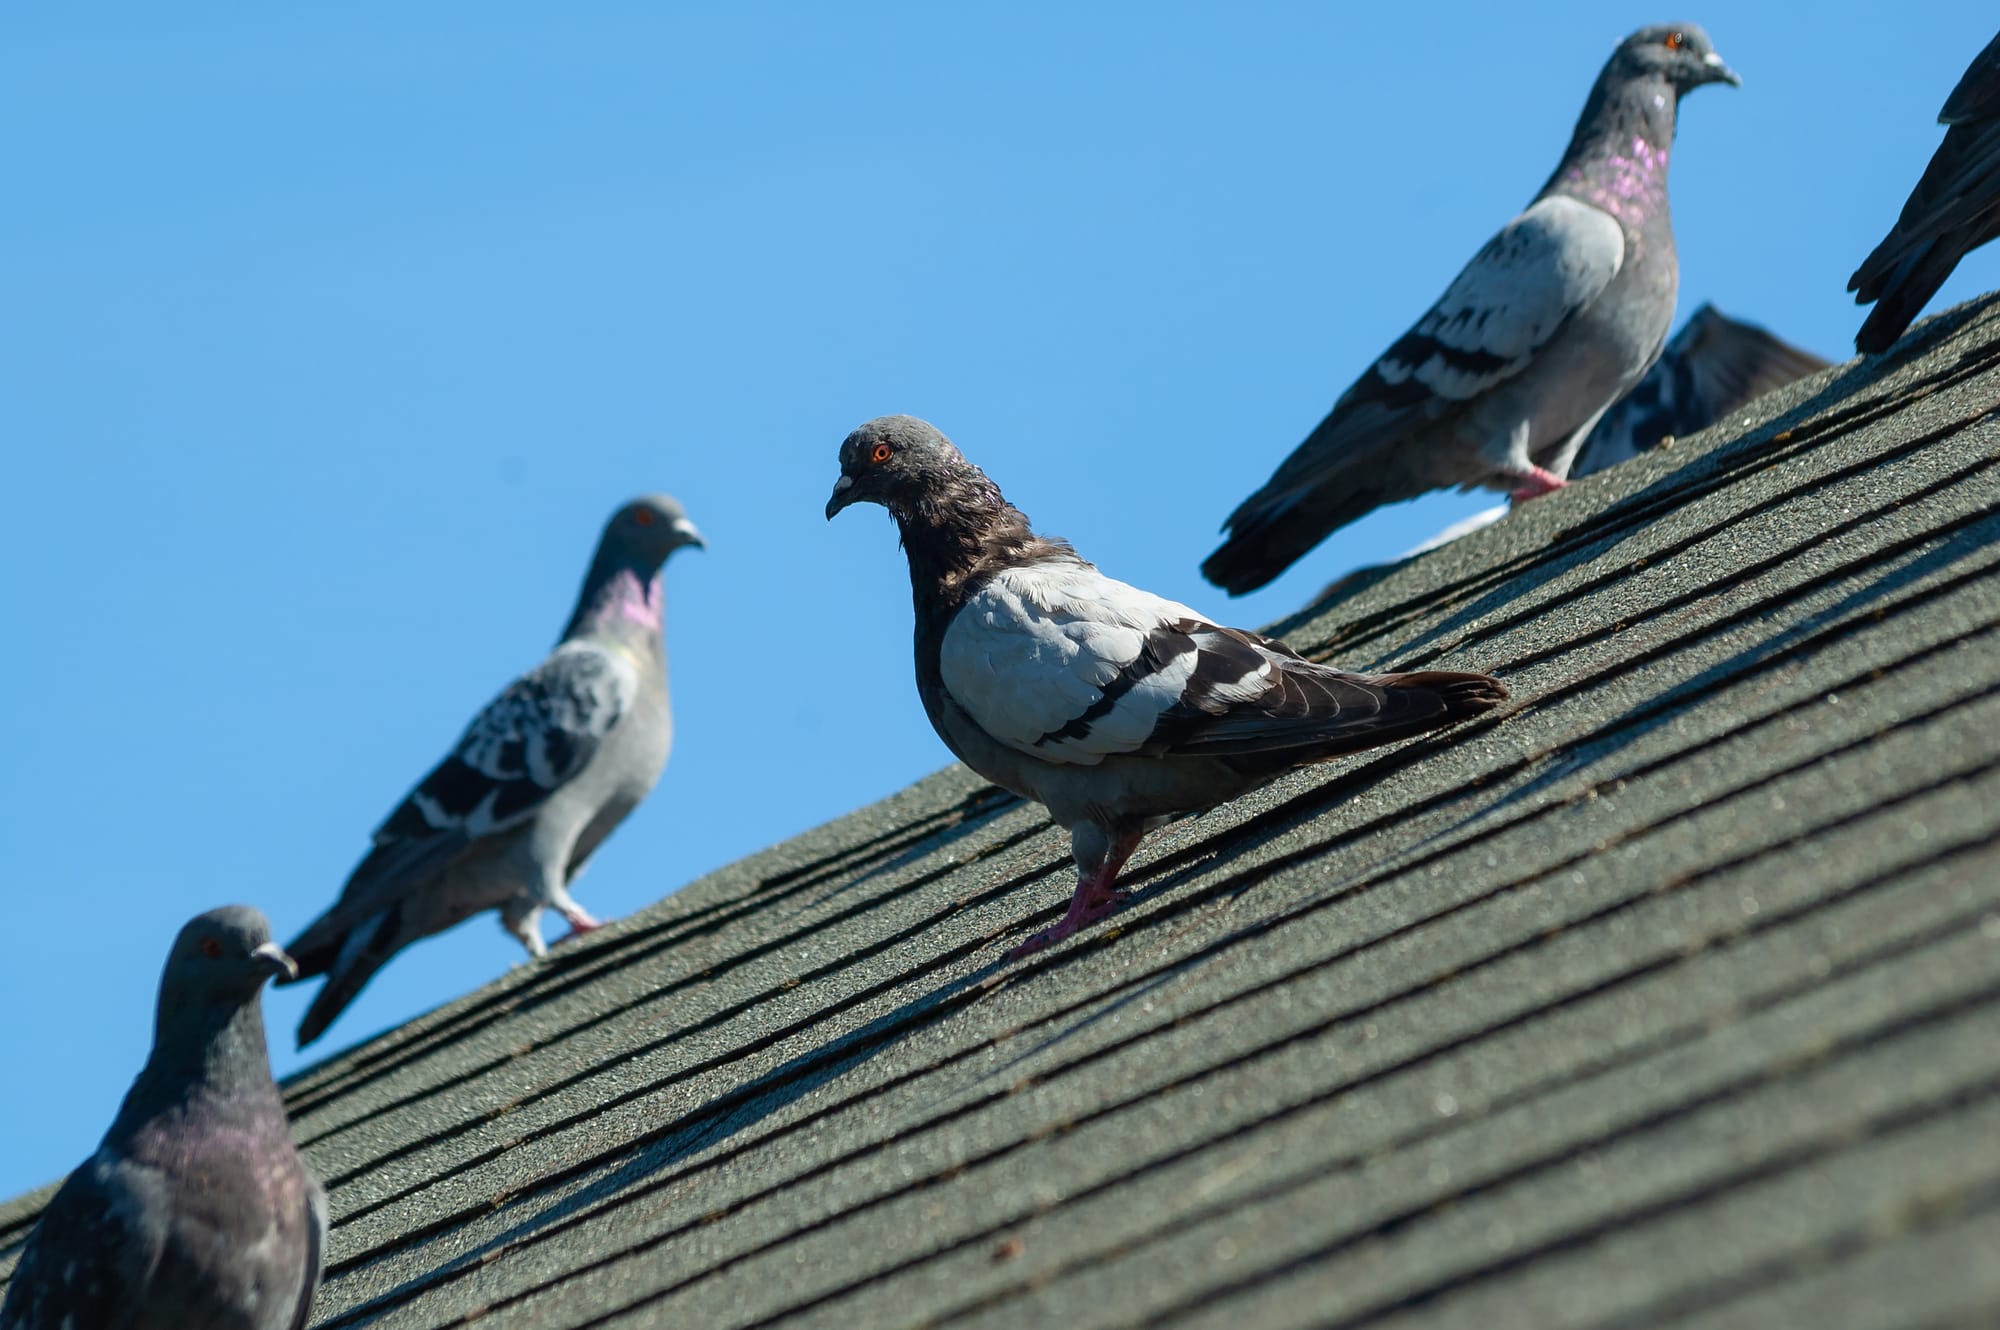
[(580, 921), (1095, 897), (1536, 483)]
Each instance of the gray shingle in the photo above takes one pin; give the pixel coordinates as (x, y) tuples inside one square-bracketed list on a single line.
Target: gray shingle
[(1673, 994)]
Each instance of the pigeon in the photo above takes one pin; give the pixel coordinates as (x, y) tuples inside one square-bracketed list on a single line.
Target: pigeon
[(1500, 382), (534, 785), (1114, 708), (1713, 366), (1953, 210), (196, 1209)]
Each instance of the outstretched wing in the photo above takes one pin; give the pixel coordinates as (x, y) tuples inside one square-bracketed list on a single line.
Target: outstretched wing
[(528, 742), (1713, 365), (1067, 665)]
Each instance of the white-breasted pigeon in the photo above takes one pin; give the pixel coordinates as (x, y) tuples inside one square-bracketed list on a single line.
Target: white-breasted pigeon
[(1114, 708)]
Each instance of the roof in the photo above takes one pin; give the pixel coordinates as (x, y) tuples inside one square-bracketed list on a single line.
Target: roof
[(1671, 993)]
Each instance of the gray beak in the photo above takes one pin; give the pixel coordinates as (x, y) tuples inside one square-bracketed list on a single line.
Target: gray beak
[(1718, 72), (274, 956), (843, 494), (689, 534)]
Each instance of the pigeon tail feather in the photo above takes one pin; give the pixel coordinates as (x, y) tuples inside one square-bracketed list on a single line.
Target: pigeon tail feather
[(1899, 296), (348, 962), (1262, 545), (1461, 694)]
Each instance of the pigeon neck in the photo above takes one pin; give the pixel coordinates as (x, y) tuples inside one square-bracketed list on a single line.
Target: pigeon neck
[(958, 529), (201, 1050), (1617, 159), (619, 600)]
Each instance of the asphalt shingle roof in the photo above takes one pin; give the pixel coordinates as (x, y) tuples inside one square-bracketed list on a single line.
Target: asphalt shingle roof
[(1670, 995)]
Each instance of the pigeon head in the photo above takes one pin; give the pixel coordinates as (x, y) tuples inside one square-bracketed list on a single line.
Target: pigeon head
[(1679, 53), (901, 463), (953, 520), (648, 529), (221, 959)]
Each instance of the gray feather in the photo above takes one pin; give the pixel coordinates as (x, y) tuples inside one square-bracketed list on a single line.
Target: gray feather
[(1499, 382), (534, 784)]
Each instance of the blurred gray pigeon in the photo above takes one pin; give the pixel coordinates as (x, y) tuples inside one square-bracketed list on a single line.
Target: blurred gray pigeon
[(1499, 383), (196, 1209), (1953, 210), (1714, 366), (1114, 708), (535, 784)]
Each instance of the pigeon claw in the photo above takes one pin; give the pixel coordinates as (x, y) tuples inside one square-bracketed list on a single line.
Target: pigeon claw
[(1091, 903), (1535, 483)]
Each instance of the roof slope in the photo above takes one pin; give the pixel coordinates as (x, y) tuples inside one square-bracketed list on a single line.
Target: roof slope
[(1671, 994)]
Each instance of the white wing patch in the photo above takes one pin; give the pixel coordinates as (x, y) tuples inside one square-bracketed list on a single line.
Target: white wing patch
[(1540, 269), (1048, 660)]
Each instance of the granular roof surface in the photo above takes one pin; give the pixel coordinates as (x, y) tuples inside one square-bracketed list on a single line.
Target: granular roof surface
[(1670, 994)]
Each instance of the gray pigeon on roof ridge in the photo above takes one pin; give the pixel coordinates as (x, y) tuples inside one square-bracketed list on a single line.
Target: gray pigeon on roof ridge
[(196, 1209), (1114, 708), (1954, 209), (1550, 323), (1713, 367), (533, 786)]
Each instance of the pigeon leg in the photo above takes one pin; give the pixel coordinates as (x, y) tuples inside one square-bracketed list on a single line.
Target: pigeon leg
[(1099, 859), (521, 917), (580, 921), (1536, 482)]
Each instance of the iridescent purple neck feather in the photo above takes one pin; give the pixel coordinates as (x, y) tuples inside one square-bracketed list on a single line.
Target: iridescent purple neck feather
[(1617, 158), (619, 600)]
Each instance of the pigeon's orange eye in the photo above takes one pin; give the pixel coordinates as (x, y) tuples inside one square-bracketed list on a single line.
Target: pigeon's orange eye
[(881, 453), (211, 948), (1675, 41), (643, 516)]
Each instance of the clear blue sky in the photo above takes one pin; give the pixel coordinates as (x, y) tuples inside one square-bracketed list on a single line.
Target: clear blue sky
[(331, 334)]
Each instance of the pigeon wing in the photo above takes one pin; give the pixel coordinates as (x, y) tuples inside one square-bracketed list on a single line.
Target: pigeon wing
[(315, 1256), (1069, 666), (1515, 296), (528, 742), (1512, 299), (1713, 366), (94, 1251)]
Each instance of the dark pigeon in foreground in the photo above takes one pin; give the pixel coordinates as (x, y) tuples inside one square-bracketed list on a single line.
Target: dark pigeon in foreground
[(1114, 708), (1953, 210), (1714, 366), (196, 1209), (1555, 319), (534, 785)]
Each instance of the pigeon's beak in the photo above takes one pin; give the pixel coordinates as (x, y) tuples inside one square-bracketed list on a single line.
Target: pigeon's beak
[(274, 956), (1719, 72), (843, 494), (689, 534)]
